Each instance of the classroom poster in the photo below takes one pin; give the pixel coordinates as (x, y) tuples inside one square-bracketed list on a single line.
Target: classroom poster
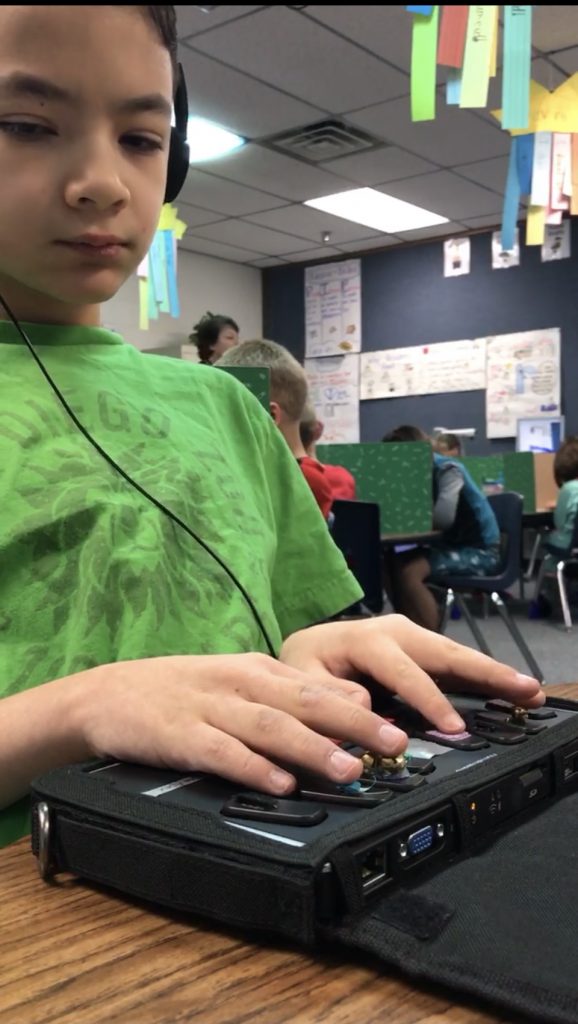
[(334, 392), (556, 242), (457, 256), (502, 259), (424, 369), (523, 379), (333, 308)]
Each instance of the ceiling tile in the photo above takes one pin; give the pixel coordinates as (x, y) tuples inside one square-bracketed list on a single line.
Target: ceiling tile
[(444, 193), (385, 29), (264, 169), (238, 102), (253, 236), (323, 253), (294, 53), (223, 196), (192, 20), (491, 173), (194, 217), (269, 261), (382, 242), (436, 231), (490, 220), (567, 59), (379, 165), (455, 136), (307, 223), (554, 27), (208, 247)]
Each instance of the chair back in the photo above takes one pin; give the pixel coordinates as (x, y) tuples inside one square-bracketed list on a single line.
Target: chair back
[(508, 508), (356, 531)]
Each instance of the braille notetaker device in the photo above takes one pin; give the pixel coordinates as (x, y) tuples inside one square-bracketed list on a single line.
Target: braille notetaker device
[(394, 863)]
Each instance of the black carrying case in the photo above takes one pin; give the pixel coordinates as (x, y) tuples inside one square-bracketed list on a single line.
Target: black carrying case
[(497, 918)]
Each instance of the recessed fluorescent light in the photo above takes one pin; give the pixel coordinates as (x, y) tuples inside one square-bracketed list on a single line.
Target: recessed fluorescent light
[(208, 140), (376, 210)]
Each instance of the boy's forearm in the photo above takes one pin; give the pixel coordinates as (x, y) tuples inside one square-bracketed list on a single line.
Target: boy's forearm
[(41, 729)]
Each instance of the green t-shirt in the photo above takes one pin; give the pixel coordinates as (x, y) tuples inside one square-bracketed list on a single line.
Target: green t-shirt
[(90, 571)]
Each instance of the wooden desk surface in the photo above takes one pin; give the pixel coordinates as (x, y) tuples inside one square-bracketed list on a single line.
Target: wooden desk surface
[(410, 538), (71, 954)]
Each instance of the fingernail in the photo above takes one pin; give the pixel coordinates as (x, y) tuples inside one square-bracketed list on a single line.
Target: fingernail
[(526, 680), (389, 734), (453, 723), (280, 781), (342, 763)]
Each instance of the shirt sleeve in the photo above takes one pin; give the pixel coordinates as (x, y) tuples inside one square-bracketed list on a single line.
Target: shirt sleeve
[(450, 483), (319, 484)]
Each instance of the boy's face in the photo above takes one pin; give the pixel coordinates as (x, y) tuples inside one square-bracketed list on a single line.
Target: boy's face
[(85, 107)]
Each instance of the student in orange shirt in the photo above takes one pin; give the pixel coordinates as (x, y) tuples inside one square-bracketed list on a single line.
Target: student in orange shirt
[(288, 395)]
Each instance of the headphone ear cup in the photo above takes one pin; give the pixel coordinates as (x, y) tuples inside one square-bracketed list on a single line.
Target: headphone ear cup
[(178, 166)]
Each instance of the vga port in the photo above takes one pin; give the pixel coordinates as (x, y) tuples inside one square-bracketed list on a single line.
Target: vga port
[(421, 840)]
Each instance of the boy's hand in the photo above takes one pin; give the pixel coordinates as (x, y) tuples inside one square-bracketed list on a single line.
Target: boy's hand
[(239, 716), (406, 659)]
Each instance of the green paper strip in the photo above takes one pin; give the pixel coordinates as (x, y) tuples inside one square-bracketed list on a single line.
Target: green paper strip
[(143, 303), (517, 67), (423, 66), (476, 69)]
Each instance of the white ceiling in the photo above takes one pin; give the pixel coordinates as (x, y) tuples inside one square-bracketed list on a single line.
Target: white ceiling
[(264, 70)]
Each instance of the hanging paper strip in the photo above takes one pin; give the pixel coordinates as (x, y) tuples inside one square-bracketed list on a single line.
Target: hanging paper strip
[(423, 66), (517, 66), (157, 274), (454, 87), (574, 197), (511, 200), (476, 69), (494, 47), (454, 21), (426, 10)]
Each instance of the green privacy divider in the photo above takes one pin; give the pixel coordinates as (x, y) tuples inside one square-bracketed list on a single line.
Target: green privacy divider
[(253, 377), (519, 476), (484, 469), (397, 476)]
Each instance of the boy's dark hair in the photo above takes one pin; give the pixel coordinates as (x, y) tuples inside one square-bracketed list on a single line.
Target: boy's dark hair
[(205, 334), (566, 461), (405, 433), (164, 20)]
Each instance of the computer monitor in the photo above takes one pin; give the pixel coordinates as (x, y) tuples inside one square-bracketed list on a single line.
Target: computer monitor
[(540, 435)]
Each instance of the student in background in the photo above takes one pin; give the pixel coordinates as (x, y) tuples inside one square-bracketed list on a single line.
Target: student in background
[(287, 394), (311, 430), (469, 544), (213, 336), (448, 444), (566, 511)]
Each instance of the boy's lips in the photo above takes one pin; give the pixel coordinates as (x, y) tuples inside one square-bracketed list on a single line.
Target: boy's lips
[(96, 246)]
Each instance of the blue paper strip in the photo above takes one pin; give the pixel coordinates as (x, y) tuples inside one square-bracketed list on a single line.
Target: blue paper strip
[(454, 87), (517, 67), (425, 9), (174, 305), (525, 162), (153, 307), (511, 200), (155, 270)]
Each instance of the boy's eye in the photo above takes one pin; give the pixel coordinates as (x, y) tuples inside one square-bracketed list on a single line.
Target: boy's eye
[(27, 130), (142, 143)]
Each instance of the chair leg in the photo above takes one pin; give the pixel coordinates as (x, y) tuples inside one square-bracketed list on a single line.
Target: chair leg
[(563, 595), (518, 638), (533, 557), (448, 605), (474, 628), (540, 579)]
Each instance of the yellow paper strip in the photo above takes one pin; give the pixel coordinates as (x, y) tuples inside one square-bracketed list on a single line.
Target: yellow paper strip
[(494, 47), (574, 196), (476, 70), (550, 111), (535, 225), (143, 296)]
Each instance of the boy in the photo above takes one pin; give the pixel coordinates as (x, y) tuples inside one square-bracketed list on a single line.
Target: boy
[(120, 634), (469, 544), (288, 395), (310, 431)]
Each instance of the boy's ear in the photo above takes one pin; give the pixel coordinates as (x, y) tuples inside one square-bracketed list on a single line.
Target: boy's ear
[(275, 410)]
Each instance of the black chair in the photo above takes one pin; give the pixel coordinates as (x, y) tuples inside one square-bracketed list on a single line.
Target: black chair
[(507, 509), (356, 531), (563, 559)]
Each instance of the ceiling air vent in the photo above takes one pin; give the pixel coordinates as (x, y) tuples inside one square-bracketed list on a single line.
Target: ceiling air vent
[(325, 140)]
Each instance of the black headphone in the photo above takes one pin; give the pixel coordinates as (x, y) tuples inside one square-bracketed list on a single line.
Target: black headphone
[(179, 148)]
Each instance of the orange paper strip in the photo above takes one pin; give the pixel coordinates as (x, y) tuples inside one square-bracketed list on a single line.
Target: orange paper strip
[(453, 35)]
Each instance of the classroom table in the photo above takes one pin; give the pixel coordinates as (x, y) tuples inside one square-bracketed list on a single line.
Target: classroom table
[(541, 519), (75, 954)]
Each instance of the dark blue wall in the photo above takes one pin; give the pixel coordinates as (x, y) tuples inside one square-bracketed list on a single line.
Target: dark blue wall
[(406, 300)]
